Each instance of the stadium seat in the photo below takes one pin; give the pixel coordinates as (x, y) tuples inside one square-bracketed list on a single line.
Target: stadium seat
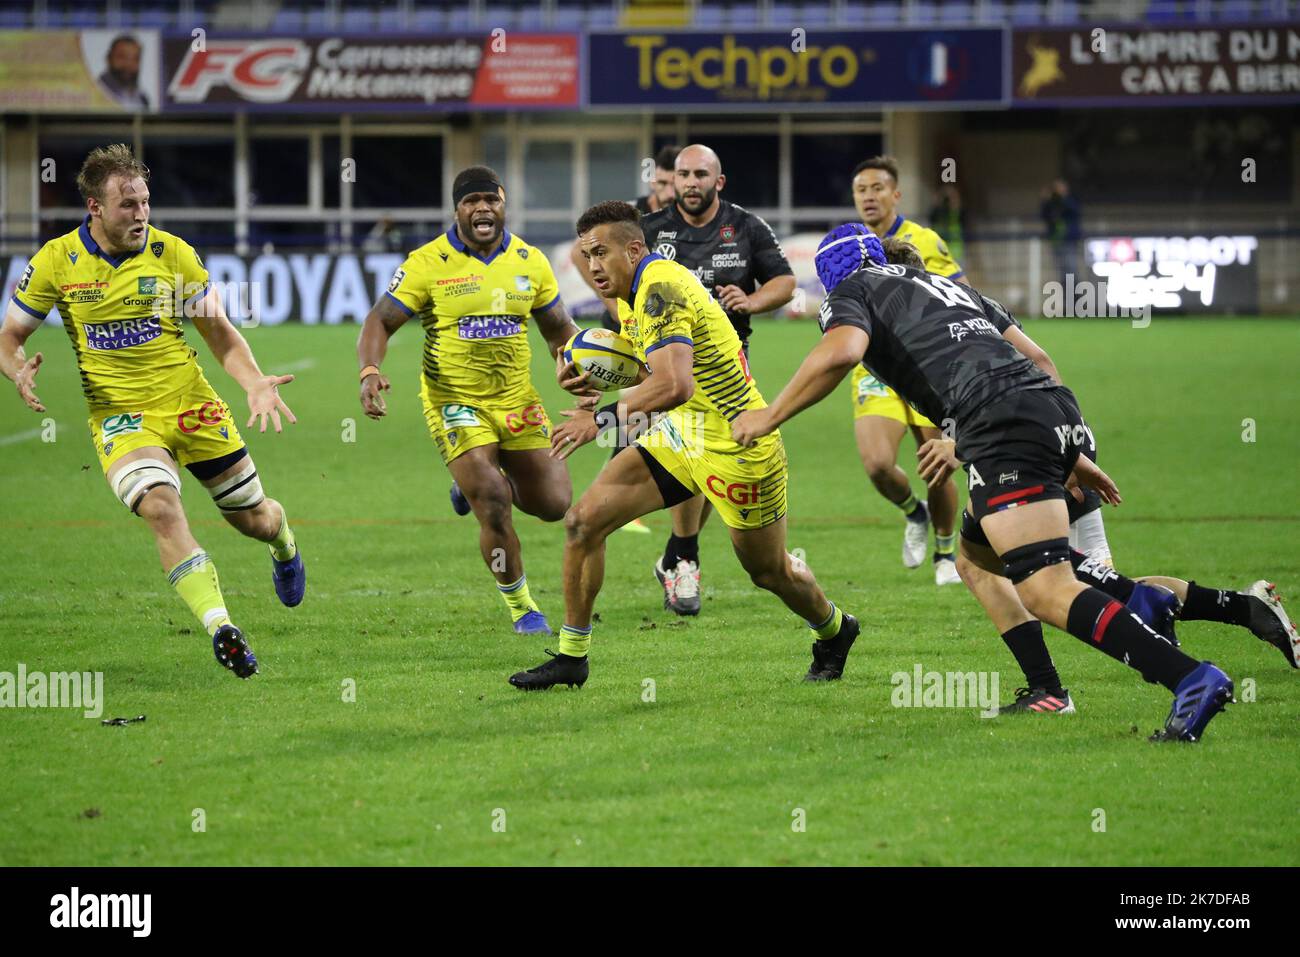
[(1026, 12), (744, 15), (358, 21), (708, 16), (814, 15), (426, 20), (602, 18), (318, 20), (286, 21), (884, 14), (991, 11), (390, 21), (1063, 11), (957, 11), (1234, 10), (153, 17), (1167, 11), (783, 15)]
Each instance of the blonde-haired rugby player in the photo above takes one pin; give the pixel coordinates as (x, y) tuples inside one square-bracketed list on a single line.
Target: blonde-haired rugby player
[(122, 288)]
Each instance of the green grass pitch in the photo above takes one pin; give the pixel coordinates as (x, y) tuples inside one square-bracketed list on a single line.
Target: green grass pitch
[(439, 761)]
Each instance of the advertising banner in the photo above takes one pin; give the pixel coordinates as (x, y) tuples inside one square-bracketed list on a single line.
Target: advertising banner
[(1140, 65), (844, 68), (469, 72), (79, 71)]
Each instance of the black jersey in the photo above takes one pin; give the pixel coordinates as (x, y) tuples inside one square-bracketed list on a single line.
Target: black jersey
[(935, 342), (735, 248)]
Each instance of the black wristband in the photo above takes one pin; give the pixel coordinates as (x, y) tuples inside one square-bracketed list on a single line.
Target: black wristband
[(607, 417)]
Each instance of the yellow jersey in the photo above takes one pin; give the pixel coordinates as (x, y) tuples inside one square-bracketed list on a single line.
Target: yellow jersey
[(475, 315), (121, 313), (669, 305), (929, 244)]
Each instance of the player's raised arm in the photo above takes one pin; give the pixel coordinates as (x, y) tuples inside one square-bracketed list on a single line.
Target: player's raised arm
[(17, 329), (385, 318), (231, 349)]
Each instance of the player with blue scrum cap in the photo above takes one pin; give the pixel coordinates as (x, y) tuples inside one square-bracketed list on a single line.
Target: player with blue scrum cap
[(1019, 433)]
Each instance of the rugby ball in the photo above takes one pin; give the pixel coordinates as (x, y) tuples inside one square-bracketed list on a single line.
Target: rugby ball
[(609, 358)]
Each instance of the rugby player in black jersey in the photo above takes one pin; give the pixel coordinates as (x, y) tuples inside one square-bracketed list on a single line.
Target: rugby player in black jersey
[(1019, 433)]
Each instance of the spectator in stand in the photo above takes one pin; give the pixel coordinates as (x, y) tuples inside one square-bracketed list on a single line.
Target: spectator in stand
[(1061, 216)]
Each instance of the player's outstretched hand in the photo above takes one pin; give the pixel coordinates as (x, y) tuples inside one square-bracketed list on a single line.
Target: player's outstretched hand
[(372, 400), (733, 299), (1087, 474), (571, 378), (748, 427), (264, 399), (26, 382), (577, 432), (936, 460)]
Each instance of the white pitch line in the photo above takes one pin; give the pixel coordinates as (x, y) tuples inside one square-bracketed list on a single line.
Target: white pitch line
[(299, 366), (19, 437)]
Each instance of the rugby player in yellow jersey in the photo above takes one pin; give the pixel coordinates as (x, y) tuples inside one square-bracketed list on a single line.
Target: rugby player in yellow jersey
[(880, 417), (698, 381), (122, 288), (473, 289)]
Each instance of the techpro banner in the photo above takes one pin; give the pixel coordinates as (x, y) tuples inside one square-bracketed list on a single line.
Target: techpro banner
[(843, 68)]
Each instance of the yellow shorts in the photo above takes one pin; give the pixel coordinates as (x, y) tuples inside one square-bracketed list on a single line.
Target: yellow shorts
[(194, 426), (458, 428), (873, 397), (747, 488)]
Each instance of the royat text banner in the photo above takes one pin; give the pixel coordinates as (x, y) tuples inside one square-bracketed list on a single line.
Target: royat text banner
[(845, 68)]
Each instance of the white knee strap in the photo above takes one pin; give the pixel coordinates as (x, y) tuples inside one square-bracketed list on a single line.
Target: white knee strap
[(241, 491), (138, 477)]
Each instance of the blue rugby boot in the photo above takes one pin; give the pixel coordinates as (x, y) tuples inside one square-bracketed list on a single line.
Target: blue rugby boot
[(1197, 699)]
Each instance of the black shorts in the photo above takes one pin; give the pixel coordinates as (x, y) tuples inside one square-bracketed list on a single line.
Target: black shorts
[(1020, 449)]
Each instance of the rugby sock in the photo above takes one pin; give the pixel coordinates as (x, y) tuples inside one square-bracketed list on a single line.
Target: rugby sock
[(945, 546), (518, 600), (1026, 643), (679, 547), (195, 580), (1097, 619), (283, 546), (575, 642), (1213, 604), (1102, 577), (831, 626), (913, 508)]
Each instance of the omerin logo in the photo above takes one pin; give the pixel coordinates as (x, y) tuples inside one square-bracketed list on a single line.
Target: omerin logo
[(263, 71), (103, 910)]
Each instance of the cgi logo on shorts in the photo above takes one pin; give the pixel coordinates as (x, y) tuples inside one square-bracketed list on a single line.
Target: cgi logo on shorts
[(530, 417), (210, 413), (737, 493)]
